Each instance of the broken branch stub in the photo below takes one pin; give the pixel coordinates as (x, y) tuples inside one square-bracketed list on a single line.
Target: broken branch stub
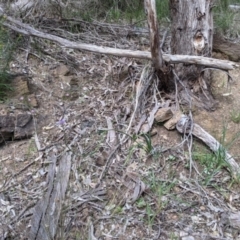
[(150, 7)]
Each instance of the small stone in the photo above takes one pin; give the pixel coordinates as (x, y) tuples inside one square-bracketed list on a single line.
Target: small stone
[(163, 114), (171, 124), (32, 100), (188, 238), (100, 161)]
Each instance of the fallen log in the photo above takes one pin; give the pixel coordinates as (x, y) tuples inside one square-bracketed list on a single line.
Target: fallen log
[(46, 215), (183, 127), (25, 29)]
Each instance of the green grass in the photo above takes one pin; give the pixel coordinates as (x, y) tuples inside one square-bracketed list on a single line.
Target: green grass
[(133, 12), (235, 116), (116, 11), (5, 85), (159, 197), (7, 47), (224, 18), (212, 163)]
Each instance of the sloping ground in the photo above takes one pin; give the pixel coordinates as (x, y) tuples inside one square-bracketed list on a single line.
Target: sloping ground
[(146, 188)]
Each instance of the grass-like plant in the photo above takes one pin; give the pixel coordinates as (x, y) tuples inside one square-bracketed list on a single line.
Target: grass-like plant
[(212, 163), (235, 116), (7, 47), (224, 17)]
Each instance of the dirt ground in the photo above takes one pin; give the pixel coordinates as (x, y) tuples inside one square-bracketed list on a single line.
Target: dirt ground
[(144, 194)]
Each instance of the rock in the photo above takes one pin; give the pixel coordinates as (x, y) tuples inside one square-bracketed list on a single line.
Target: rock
[(226, 47), (171, 124), (219, 81), (32, 100), (13, 128), (163, 114)]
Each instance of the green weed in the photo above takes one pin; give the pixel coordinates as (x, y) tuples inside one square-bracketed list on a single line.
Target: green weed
[(212, 163), (224, 17), (151, 215), (235, 116), (8, 45)]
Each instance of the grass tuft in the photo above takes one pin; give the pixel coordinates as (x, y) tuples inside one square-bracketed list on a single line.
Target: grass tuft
[(7, 48)]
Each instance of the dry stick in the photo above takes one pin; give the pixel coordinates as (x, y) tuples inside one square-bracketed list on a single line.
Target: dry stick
[(163, 39), (138, 94), (30, 31), (157, 58), (210, 141), (107, 165), (186, 138)]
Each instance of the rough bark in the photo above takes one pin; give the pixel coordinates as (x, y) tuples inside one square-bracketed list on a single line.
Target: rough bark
[(163, 69), (192, 31), (156, 52), (192, 34)]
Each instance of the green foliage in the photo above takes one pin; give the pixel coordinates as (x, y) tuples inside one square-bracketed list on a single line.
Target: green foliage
[(6, 53), (162, 9), (212, 163), (134, 13), (115, 10), (5, 85), (235, 116), (224, 18)]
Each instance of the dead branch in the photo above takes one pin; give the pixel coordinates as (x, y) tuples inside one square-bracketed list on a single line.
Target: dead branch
[(30, 31), (154, 34), (210, 141)]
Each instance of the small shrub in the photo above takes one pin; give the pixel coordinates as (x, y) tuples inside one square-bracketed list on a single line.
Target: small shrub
[(6, 53), (224, 17), (235, 116)]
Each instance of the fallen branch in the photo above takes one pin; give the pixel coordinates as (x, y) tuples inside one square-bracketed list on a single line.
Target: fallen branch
[(210, 141), (30, 31), (45, 219)]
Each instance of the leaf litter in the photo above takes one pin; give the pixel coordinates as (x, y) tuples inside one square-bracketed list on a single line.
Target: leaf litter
[(100, 168)]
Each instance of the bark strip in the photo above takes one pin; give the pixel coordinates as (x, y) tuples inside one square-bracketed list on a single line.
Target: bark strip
[(156, 52)]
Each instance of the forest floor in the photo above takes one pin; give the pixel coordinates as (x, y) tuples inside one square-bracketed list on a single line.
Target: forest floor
[(144, 189)]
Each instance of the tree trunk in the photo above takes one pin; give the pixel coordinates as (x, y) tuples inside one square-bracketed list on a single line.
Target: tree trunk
[(192, 30), (192, 34), (162, 68)]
